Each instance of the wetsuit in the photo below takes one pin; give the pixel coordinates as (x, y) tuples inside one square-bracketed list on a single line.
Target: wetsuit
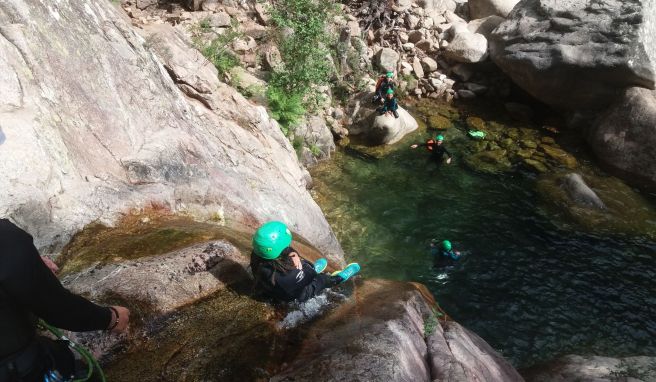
[(437, 151), (389, 105), (442, 258), (295, 284), (381, 88), (28, 289)]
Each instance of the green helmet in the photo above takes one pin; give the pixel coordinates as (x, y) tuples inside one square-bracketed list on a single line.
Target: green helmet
[(439, 138), (390, 91), (446, 245), (390, 74), (271, 239)]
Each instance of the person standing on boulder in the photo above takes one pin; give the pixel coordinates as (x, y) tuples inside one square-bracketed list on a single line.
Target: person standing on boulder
[(285, 276), (436, 147), (29, 290), (384, 83), (390, 106)]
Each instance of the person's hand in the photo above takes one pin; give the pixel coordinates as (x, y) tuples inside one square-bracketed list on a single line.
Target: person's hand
[(50, 264), (296, 260), (414, 146), (123, 319), (448, 160)]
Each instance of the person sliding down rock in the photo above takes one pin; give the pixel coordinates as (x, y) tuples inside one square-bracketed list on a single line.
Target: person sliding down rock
[(29, 290), (282, 274), (436, 147), (384, 83), (390, 106), (443, 254)]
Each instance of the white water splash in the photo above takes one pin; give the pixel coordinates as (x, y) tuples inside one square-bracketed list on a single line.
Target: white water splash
[(300, 313)]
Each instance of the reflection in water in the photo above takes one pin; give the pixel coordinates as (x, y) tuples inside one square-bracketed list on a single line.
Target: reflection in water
[(533, 287)]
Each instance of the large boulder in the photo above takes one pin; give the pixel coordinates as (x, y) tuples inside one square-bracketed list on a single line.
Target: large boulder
[(578, 54), (386, 59), (377, 129), (624, 136), (387, 130), (465, 46), (318, 141), (98, 120), (438, 5), (403, 339), (485, 26), (479, 9)]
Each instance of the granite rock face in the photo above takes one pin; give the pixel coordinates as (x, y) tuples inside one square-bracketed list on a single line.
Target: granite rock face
[(402, 339), (97, 120), (624, 136), (580, 54)]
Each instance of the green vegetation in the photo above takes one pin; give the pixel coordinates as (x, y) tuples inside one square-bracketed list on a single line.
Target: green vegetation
[(286, 108), (216, 50), (302, 39), (315, 150), (205, 24), (431, 322)]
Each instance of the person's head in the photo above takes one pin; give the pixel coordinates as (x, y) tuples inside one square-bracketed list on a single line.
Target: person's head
[(390, 93), (439, 139), (389, 75), (271, 239), (446, 245)]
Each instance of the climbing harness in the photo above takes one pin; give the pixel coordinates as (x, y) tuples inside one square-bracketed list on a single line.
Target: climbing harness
[(91, 362)]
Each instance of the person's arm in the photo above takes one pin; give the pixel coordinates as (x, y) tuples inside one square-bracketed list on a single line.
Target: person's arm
[(304, 284), (31, 284), (395, 105), (414, 146), (448, 155)]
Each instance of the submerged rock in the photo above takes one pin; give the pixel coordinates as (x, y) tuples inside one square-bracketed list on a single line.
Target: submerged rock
[(594, 369), (612, 206), (580, 192)]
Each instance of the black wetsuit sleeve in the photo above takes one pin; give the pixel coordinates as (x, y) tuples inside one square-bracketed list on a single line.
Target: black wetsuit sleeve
[(448, 154), (303, 284), (27, 281)]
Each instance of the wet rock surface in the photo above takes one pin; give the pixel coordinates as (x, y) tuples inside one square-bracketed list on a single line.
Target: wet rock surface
[(195, 316), (594, 369), (393, 332)]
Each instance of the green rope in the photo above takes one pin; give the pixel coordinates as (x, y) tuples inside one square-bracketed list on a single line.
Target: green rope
[(84, 353)]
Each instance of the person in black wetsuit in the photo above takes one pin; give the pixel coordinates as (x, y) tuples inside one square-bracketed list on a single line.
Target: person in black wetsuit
[(29, 290), (436, 147), (384, 83), (443, 254), (278, 269), (390, 106)]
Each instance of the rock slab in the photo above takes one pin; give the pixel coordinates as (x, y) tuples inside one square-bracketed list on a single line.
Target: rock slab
[(624, 136), (578, 54), (99, 120), (402, 339)]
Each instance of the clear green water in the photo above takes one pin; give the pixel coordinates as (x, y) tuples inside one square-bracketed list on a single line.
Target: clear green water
[(533, 285)]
